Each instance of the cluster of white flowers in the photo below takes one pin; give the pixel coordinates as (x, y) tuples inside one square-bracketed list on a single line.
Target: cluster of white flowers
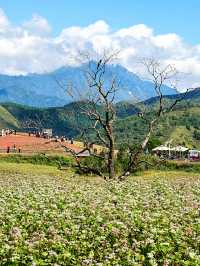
[(48, 220)]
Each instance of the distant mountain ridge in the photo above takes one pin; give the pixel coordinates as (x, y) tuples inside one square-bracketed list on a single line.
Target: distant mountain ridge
[(42, 90), (193, 94)]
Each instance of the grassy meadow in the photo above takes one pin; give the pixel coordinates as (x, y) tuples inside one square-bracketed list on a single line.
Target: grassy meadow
[(53, 217)]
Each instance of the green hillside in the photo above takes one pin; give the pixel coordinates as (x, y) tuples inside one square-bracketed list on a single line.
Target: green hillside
[(182, 126), (7, 120)]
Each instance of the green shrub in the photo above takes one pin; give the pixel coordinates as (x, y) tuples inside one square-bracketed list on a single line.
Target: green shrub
[(38, 159), (183, 166), (196, 134)]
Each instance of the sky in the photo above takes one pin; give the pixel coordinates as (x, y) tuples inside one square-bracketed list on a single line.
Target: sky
[(35, 32), (177, 16)]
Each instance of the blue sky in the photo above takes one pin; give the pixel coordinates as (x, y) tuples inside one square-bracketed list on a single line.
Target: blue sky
[(178, 16), (34, 32)]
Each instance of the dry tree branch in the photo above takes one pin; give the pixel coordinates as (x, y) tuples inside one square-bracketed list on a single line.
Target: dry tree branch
[(158, 76), (99, 110)]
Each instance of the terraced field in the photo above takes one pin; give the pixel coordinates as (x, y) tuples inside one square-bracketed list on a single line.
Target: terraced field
[(51, 217)]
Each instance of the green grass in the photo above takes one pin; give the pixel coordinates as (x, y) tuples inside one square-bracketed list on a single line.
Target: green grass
[(27, 169), (181, 135), (53, 217), (38, 159), (181, 166), (7, 119)]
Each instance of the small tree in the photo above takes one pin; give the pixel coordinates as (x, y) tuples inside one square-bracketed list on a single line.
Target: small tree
[(99, 109)]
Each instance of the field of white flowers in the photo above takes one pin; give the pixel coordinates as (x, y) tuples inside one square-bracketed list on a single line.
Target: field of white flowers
[(47, 219)]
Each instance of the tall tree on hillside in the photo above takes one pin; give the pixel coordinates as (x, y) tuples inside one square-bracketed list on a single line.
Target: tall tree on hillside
[(99, 109)]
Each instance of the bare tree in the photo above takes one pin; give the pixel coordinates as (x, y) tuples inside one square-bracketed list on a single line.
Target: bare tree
[(159, 76), (99, 109)]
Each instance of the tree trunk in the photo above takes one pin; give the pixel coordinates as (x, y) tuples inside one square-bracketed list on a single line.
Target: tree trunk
[(111, 155)]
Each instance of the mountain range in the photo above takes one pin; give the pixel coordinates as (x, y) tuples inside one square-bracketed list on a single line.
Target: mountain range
[(49, 89)]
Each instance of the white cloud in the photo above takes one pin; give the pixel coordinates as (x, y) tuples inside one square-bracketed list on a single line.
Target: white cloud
[(30, 47), (4, 23), (137, 32), (37, 25)]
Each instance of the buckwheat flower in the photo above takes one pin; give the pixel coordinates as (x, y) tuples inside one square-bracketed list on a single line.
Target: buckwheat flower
[(53, 253), (87, 262), (103, 243), (112, 255), (52, 231), (15, 233), (124, 242), (134, 246), (166, 263), (67, 231), (115, 231), (188, 231), (103, 226)]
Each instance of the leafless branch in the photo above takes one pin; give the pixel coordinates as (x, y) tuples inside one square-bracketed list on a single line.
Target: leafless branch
[(158, 77)]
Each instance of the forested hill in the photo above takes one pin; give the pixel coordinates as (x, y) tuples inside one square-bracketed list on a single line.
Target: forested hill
[(182, 125), (192, 96)]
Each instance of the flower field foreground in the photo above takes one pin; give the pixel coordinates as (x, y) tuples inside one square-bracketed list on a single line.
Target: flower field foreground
[(53, 220)]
